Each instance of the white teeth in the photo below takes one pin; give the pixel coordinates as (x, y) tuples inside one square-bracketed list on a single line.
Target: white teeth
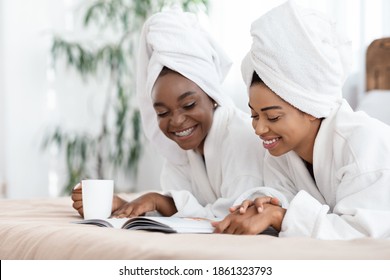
[(184, 132), (268, 142)]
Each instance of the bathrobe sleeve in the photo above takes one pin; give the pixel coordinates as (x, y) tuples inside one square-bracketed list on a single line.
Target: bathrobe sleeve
[(197, 200), (192, 198), (357, 205), (282, 187), (176, 182), (234, 162), (362, 210), (353, 177), (241, 171)]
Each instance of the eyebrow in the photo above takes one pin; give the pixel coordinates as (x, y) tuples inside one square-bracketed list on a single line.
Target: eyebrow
[(184, 95), (181, 97), (270, 108), (266, 108)]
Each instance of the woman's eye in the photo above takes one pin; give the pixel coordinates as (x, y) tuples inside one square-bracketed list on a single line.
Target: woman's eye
[(254, 116), (189, 105), (162, 114), (273, 119)]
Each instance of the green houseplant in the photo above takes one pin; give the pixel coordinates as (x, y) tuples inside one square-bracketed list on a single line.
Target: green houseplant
[(118, 144)]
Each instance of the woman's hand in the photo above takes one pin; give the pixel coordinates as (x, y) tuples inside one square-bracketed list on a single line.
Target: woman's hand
[(258, 203), (77, 198), (251, 222), (146, 203)]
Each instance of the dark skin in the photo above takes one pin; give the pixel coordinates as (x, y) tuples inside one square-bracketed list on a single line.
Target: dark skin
[(252, 217), (252, 222)]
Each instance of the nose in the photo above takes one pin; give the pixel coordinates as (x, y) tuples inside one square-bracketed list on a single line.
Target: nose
[(178, 118), (260, 128)]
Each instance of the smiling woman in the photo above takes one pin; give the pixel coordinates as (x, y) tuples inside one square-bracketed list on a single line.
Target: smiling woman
[(328, 165)]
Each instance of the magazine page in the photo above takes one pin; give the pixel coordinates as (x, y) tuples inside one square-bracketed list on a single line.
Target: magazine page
[(171, 224), (117, 222), (110, 222)]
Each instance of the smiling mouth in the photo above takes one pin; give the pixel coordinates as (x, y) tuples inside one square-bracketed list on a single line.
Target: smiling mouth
[(269, 144), (185, 132)]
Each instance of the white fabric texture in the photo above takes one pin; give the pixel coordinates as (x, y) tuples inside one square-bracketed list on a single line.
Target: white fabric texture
[(176, 40), (233, 161), (350, 197), (300, 57)]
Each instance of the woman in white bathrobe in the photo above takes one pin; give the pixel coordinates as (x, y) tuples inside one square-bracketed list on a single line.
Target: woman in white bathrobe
[(328, 166), (212, 155)]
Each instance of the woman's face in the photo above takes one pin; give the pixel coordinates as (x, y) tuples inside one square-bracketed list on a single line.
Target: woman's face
[(184, 111), (281, 126)]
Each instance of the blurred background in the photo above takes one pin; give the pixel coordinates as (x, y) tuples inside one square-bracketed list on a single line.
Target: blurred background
[(67, 108)]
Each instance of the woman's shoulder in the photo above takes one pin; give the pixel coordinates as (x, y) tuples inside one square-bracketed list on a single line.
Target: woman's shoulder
[(362, 140), (240, 134), (240, 123), (360, 127)]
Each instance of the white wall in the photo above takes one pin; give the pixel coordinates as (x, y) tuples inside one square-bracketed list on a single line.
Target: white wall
[(230, 22), (32, 100), (2, 106), (27, 26), (23, 53)]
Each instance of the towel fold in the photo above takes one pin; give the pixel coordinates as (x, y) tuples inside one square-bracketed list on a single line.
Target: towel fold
[(300, 57), (176, 40)]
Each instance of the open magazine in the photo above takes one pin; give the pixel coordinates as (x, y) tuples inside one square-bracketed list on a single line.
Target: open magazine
[(152, 223)]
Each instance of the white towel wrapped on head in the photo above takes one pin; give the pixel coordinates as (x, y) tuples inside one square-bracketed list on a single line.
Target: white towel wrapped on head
[(176, 40), (298, 55)]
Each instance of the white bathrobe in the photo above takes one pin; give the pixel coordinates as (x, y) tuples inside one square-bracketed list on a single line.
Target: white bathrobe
[(350, 197), (232, 164)]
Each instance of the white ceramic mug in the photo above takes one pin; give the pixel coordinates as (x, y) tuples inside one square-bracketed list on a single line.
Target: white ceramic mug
[(97, 198)]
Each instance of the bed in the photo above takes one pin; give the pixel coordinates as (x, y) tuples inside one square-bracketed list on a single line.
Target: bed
[(43, 229)]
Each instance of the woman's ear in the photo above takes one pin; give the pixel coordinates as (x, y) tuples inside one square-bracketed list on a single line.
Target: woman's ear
[(215, 104)]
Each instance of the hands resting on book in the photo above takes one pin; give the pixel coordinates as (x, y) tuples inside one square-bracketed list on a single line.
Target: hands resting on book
[(251, 217)]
